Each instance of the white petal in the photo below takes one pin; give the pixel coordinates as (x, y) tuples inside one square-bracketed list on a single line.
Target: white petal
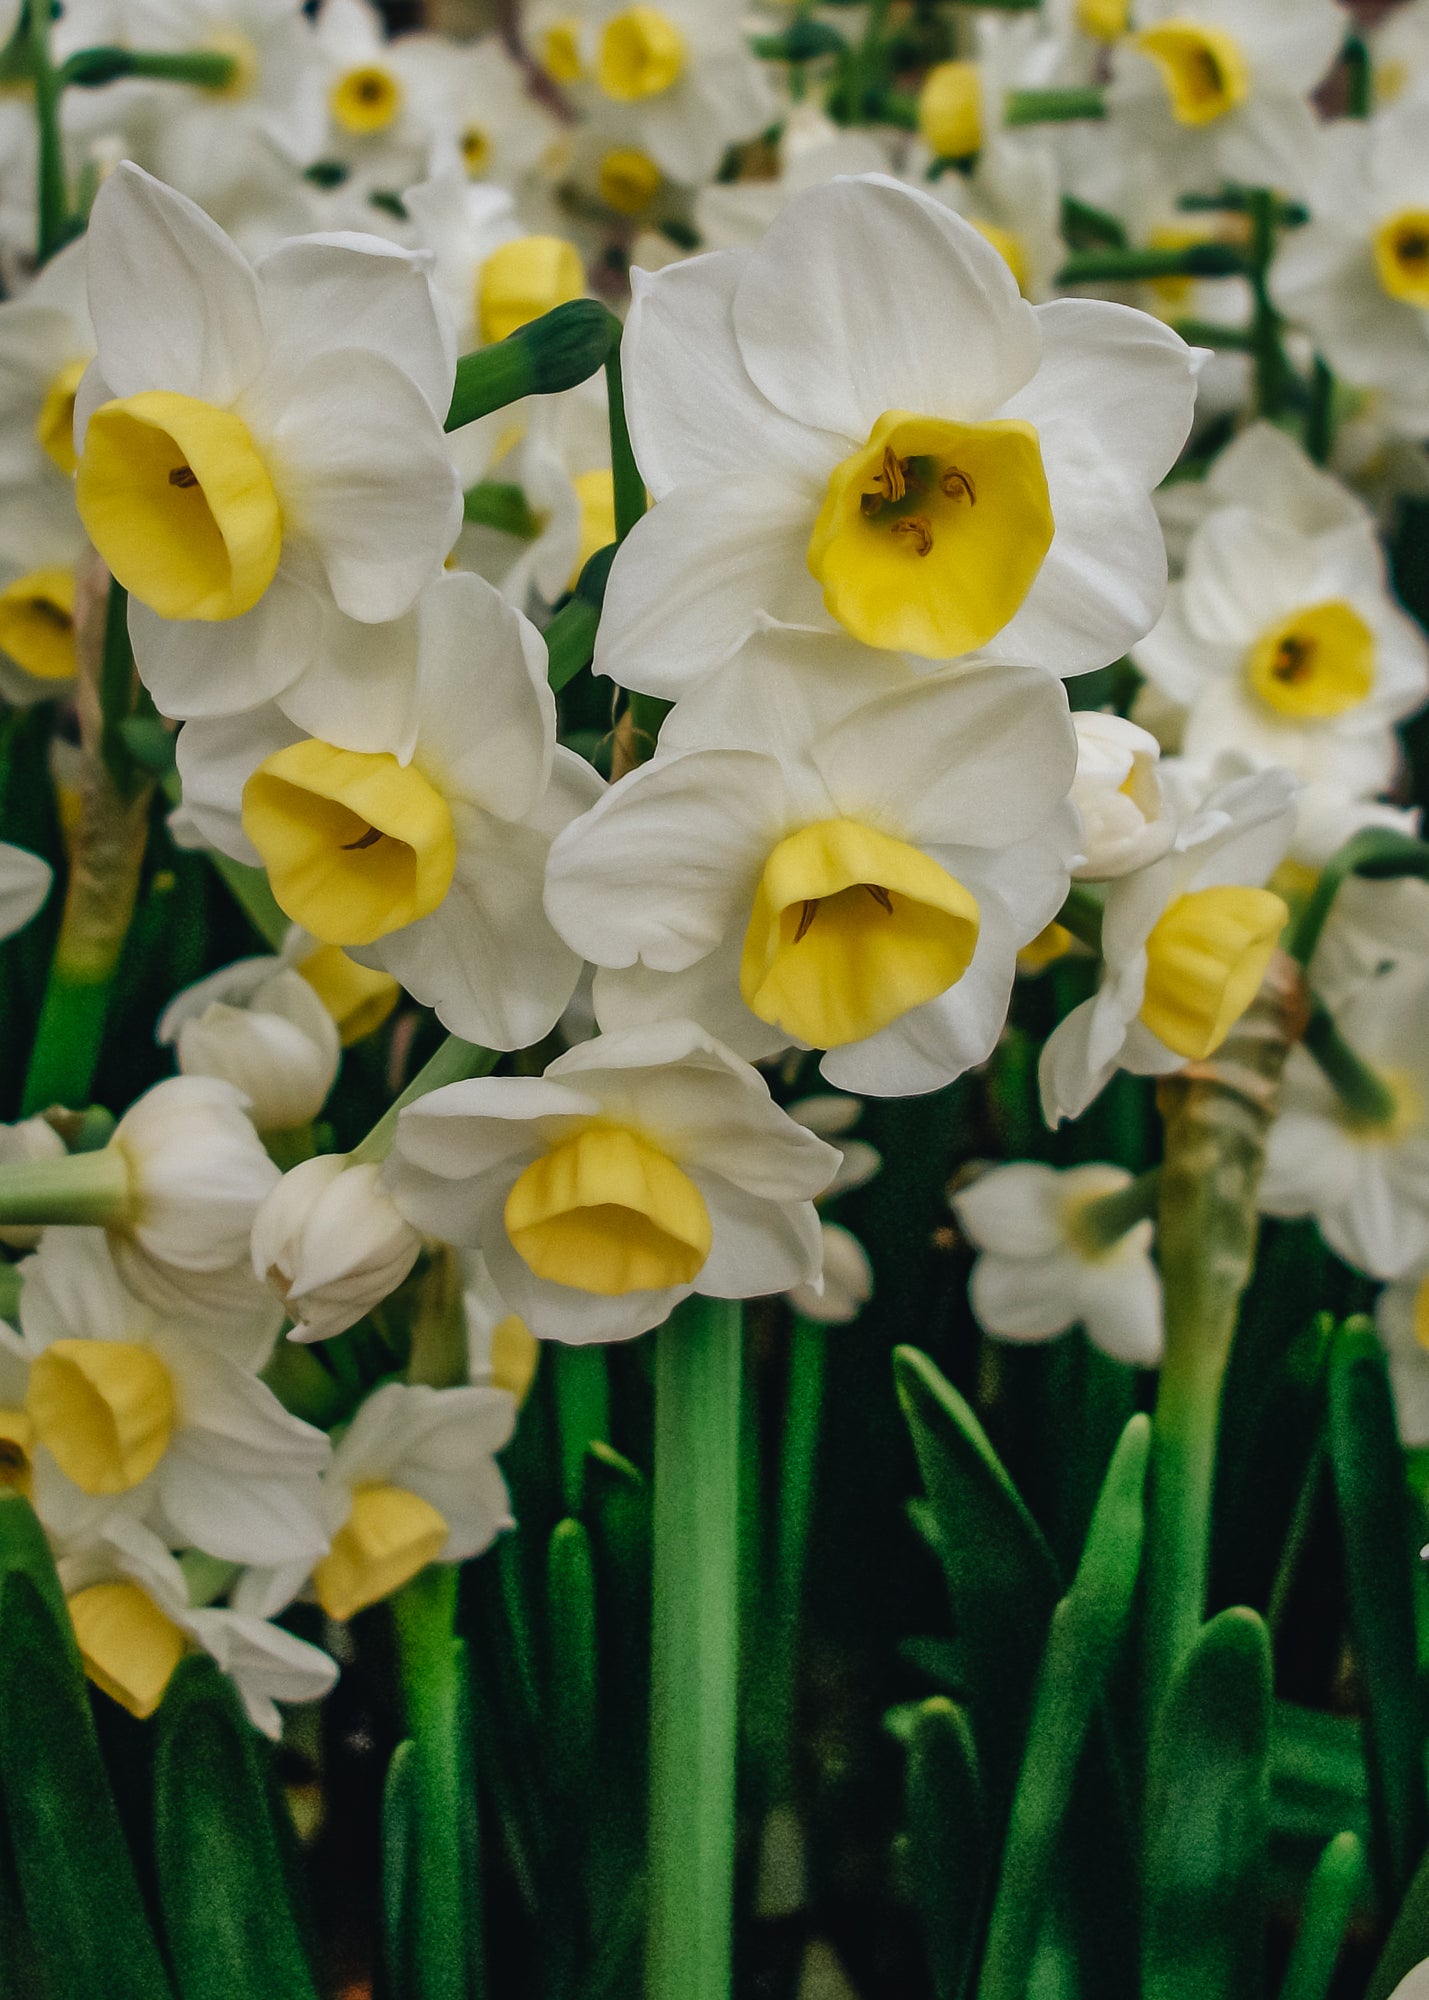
[(196, 669), (486, 716), (359, 292), (1018, 1299), (267, 1520), (1013, 1210), (1117, 374), (760, 1246), (25, 880), (1119, 1304)]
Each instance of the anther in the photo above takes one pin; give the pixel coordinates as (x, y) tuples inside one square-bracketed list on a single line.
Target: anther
[(957, 484), (806, 916), (182, 476), (1292, 659), (918, 530), (368, 839), (879, 894), (52, 613)]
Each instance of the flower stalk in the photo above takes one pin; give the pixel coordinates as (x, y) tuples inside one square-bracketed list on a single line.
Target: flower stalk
[(453, 1062), (81, 1188), (1100, 1224)]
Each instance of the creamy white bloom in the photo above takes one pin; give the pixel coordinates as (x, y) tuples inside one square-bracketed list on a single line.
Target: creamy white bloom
[(1414, 1985), (1267, 472), (422, 850), (641, 1167), (329, 1244), (1401, 1313), (482, 115), (1186, 942), (1372, 927), (833, 1116), (158, 1418), (133, 1620), (860, 422), (1039, 1270), (261, 1027), (1399, 54), (262, 448), (413, 1480), (1288, 648), (1357, 276), (1127, 820), (830, 852), (25, 881), (847, 1281), (381, 114), (1367, 1186)]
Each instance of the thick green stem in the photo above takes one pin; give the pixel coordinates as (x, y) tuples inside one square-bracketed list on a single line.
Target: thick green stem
[(453, 1062), (808, 1346), (1040, 107), (91, 69), (1197, 260), (1081, 914), (694, 1652), (89, 1188), (1104, 1220), (52, 217), (557, 351), (1272, 371)]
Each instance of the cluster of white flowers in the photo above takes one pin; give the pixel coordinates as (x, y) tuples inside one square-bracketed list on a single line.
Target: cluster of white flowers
[(901, 427)]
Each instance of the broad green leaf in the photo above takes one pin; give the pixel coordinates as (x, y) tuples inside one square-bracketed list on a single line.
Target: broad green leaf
[(1371, 1495), (1206, 1810), (1324, 1920), (223, 1892), (570, 1612), (948, 1842), (1408, 1942), (1318, 1783), (582, 1397)]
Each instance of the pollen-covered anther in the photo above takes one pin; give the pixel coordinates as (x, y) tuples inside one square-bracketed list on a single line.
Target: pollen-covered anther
[(957, 485), (918, 530)]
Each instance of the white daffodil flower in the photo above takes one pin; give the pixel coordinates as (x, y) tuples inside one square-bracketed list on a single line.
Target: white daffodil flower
[(492, 275), (1356, 277), (1127, 820), (133, 1622), (1040, 1270), (261, 1027), (502, 1351), (257, 443), (1288, 648), (861, 424), (1401, 1313), (826, 854), (1366, 1185), (1222, 87), (833, 1116), (641, 1167), (46, 343), (1399, 55), (1372, 927), (676, 80), (413, 1480), (379, 116), (330, 1246), (161, 1419), (422, 852), (25, 881), (813, 150), (483, 118), (1186, 941)]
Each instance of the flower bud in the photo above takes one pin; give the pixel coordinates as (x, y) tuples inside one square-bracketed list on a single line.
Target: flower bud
[(331, 1245), (276, 1042), (1126, 820)]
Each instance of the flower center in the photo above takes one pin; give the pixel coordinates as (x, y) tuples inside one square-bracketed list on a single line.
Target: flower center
[(1401, 256), (1104, 20), (1205, 959), (950, 110), (244, 57), (389, 1535), (560, 48), (628, 179), (54, 427), (37, 624), (103, 1409), (849, 930), (475, 151), (177, 500), (606, 1211), (1315, 664), (128, 1645), (641, 54), (365, 100), (356, 845), (1204, 70), (930, 538), (524, 279)]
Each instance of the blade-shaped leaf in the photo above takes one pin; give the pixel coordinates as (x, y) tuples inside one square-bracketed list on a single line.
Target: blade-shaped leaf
[(948, 1842)]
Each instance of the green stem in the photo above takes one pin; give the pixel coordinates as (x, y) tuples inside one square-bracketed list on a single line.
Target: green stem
[(629, 486), (562, 348), (1271, 368), (1320, 413), (1039, 107), (570, 636), (1359, 93), (1196, 260), (1210, 333), (1369, 1100), (1081, 914), (86, 1188), (90, 69), (1103, 1221), (808, 1347), (582, 1390), (453, 1062), (694, 1652), (1374, 851), (53, 200), (116, 692)]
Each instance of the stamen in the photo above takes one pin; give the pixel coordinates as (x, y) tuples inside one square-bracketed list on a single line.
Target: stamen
[(806, 917), (955, 484), (879, 894), (890, 484), (182, 476), (1293, 658), (368, 839), (918, 529), (1413, 248), (52, 613)]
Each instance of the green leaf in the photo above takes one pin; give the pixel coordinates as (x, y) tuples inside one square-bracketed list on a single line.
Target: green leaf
[(1087, 1630), (397, 1835), (948, 1841), (1002, 1580), (1318, 1784), (582, 1395), (228, 1924), (1329, 1906), (76, 1879), (1408, 1942), (1206, 1815), (570, 1614), (1371, 1495)]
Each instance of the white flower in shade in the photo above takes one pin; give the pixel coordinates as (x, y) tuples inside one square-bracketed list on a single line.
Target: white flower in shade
[(413, 1480), (1366, 1185), (330, 1245), (194, 1171), (493, 277), (263, 1029), (1399, 54), (1041, 1269), (46, 343), (158, 1418), (1127, 820), (964, 470), (1372, 927), (847, 1281), (830, 854), (1287, 648), (483, 117), (1414, 1985), (1356, 277), (421, 852), (379, 113), (1013, 198), (1267, 473), (677, 80), (1401, 1313), (25, 881), (1186, 940), (813, 150), (1222, 86), (641, 1167), (31, 1139), (133, 1622), (832, 1116), (263, 444), (41, 544)]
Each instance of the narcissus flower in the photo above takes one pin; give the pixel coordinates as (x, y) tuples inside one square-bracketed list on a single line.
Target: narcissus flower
[(494, 276), (1187, 942), (46, 343), (886, 437), (825, 854), (256, 444), (1041, 1269), (1127, 820), (641, 1167), (423, 852), (329, 1244), (261, 1027)]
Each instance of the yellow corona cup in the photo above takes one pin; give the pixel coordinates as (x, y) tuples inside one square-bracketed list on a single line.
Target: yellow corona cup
[(128, 1645), (37, 623), (103, 1409), (1204, 71), (606, 1211), (524, 279), (1401, 256), (950, 110), (641, 54), (54, 427), (389, 1535), (1206, 958), (365, 100), (1315, 664)]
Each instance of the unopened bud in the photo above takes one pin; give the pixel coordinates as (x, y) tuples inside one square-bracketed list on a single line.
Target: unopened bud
[(1126, 821), (331, 1245)]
